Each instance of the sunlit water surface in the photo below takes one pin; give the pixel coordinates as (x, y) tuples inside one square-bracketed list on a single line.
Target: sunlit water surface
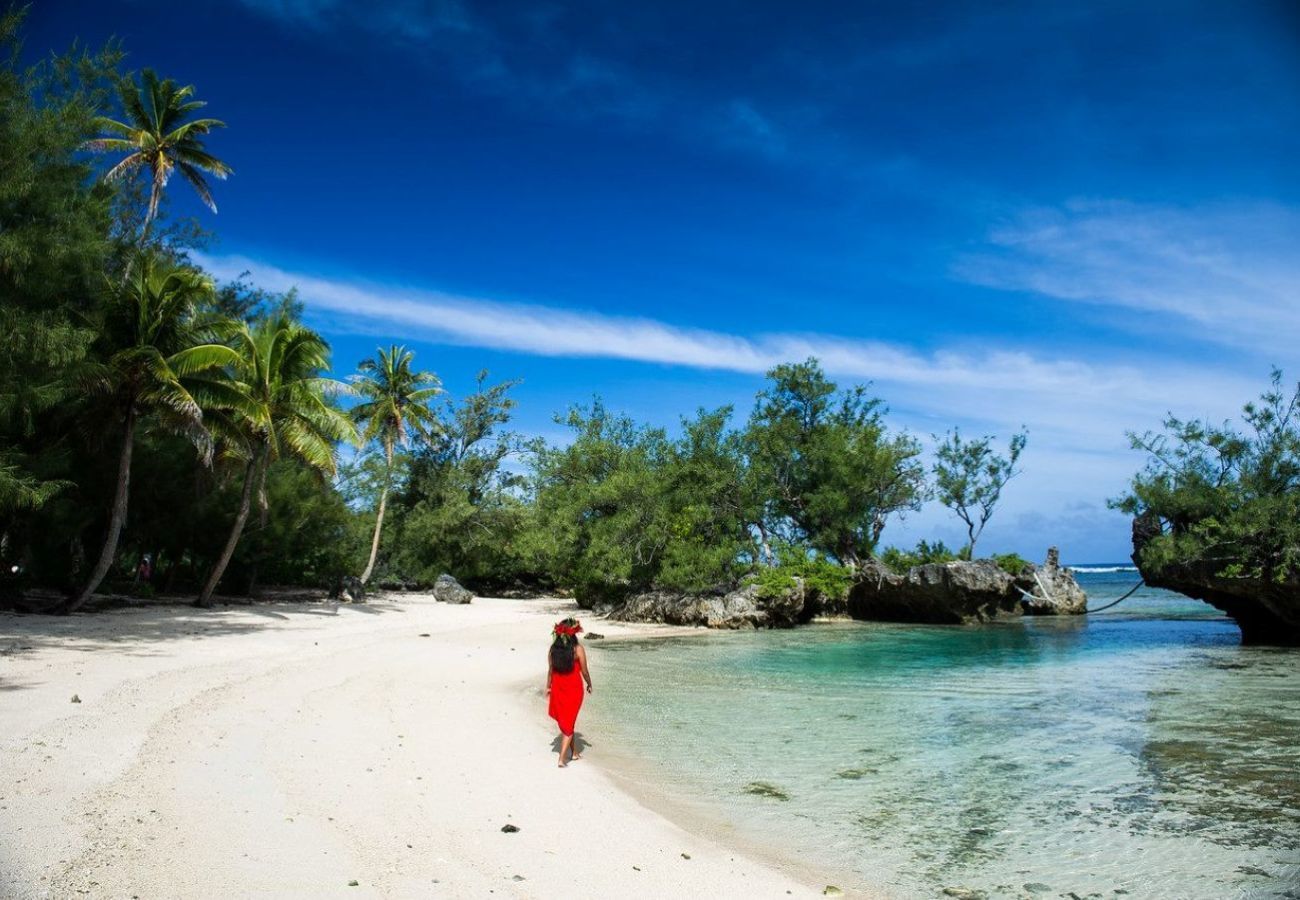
[(1139, 751)]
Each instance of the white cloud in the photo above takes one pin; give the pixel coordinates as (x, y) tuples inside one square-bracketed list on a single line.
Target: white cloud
[(1003, 386), (1225, 273)]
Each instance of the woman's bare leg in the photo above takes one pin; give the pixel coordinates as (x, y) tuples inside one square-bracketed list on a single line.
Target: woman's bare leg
[(575, 753), (566, 744)]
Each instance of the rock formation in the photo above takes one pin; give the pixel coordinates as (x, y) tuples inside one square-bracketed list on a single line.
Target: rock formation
[(1266, 610), (1050, 590), (745, 607), (448, 590), (965, 591), (939, 593)]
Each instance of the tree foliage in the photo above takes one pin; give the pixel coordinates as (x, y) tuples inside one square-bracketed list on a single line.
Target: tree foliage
[(969, 476), (826, 467), (1224, 496)]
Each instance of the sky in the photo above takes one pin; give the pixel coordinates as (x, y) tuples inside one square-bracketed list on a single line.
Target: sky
[(1072, 218)]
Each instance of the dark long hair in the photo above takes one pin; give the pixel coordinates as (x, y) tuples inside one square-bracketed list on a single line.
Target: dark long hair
[(563, 648)]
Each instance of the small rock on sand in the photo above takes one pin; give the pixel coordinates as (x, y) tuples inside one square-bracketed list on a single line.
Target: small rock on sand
[(509, 829), (75, 699)]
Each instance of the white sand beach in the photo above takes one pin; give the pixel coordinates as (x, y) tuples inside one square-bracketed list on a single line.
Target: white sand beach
[(302, 750)]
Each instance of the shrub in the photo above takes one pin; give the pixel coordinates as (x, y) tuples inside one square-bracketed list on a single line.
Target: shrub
[(900, 561)]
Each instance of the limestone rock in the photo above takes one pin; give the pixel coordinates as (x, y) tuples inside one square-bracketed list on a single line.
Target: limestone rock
[(741, 608), (939, 593), (448, 590), (1054, 589), (1266, 610)]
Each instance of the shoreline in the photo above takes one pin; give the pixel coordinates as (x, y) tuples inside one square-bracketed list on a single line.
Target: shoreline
[(366, 750)]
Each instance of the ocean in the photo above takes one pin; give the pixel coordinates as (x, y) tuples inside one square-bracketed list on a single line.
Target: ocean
[(1139, 751)]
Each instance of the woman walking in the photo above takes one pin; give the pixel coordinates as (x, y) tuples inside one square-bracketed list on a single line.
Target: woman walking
[(565, 673)]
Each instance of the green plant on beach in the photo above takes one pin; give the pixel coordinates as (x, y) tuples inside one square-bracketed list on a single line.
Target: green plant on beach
[(275, 403), (816, 573), (158, 141), (394, 407)]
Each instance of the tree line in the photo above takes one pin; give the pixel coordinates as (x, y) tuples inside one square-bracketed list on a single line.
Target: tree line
[(162, 432)]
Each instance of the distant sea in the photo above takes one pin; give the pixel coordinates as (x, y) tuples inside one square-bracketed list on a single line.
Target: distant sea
[(1139, 751)]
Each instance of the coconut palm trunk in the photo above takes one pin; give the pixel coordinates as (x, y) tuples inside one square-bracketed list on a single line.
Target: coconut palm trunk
[(115, 519), (379, 519), (236, 529)]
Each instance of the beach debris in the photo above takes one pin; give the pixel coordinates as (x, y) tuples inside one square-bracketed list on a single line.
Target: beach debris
[(637, 868), (763, 789), (964, 893), (593, 636), (449, 590), (75, 699), (686, 856), (509, 829), (517, 878), (424, 634), (832, 891), (354, 883)]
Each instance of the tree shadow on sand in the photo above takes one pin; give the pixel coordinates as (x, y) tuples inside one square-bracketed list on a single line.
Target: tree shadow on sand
[(139, 630)]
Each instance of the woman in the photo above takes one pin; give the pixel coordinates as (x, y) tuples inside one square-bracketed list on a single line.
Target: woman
[(566, 670)]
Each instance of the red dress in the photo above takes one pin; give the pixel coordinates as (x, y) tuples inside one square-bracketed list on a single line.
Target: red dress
[(566, 697)]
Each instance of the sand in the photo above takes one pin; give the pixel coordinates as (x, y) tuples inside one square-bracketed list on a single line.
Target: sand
[(316, 751)]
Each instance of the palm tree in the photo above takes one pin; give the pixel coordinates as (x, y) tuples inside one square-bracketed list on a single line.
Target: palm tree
[(395, 405), (156, 137), (280, 408), (157, 348)]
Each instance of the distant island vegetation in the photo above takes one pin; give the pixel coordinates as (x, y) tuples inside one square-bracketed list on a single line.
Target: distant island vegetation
[(149, 412)]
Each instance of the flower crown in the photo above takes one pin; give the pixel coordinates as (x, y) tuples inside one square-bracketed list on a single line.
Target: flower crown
[(569, 630)]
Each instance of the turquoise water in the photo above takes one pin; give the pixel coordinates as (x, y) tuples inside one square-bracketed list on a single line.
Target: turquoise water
[(1140, 751)]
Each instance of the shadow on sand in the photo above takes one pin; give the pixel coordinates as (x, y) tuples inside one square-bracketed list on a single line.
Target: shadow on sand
[(137, 630)]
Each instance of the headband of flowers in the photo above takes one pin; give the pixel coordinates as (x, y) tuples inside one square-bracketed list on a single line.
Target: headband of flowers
[(569, 630)]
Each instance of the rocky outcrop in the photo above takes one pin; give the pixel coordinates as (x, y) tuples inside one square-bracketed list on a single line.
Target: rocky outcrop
[(448, 590), (938, 593), (965, 591), (941, 593), (745, 607), (1050, 589), (1266, 610)]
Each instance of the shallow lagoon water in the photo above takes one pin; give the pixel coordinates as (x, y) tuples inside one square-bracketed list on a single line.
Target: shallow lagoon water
[(1139, 751)]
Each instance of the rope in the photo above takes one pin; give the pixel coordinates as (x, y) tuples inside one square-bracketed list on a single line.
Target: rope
[(1039, 601), (1128, 594)]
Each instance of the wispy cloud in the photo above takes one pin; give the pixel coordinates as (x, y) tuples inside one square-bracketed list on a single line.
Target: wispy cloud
[(1226, 274), (1084, 404)]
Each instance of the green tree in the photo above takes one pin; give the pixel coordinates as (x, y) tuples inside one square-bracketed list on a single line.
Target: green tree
[(462, 509), (395, 405), (155, 349), (825, 467), (969, 476), (624, 507), (157, 140), (275, 404), (54, 247), (1224, 501)]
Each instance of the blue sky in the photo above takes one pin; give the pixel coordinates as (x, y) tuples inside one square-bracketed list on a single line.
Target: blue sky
[(1072, 217)]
